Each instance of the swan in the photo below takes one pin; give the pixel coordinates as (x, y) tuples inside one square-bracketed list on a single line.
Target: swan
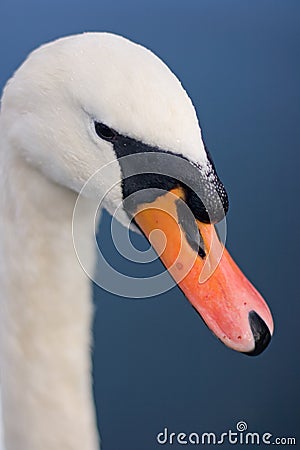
[(75, 105)]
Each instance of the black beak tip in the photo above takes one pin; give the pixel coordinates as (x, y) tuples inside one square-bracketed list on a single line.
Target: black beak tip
[(261, 333)]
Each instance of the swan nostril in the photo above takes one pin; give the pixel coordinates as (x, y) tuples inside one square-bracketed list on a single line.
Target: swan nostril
[(189, 226), (261, 333)]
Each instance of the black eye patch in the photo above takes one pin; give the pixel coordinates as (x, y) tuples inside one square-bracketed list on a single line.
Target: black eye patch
[(105, 132), (148, 174)]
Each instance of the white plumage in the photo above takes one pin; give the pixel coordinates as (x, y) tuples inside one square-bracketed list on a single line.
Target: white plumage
[(48, 150)]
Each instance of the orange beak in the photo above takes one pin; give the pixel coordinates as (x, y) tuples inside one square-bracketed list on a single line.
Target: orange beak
[(228, 303)]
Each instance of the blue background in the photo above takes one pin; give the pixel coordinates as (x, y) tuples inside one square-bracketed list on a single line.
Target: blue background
[(155, 363)]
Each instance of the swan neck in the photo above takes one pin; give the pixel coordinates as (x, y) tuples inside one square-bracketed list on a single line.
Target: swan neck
[(46, 315)]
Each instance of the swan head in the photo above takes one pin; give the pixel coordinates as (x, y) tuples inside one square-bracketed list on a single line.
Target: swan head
[(98, 100), (63, 88)]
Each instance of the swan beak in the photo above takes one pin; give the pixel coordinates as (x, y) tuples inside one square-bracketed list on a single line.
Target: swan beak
[(228, 303)]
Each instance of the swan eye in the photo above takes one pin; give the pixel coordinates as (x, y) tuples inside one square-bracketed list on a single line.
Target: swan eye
[(105, 132)]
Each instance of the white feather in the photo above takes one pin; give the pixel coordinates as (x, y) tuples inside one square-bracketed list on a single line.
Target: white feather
[(48, 150)]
